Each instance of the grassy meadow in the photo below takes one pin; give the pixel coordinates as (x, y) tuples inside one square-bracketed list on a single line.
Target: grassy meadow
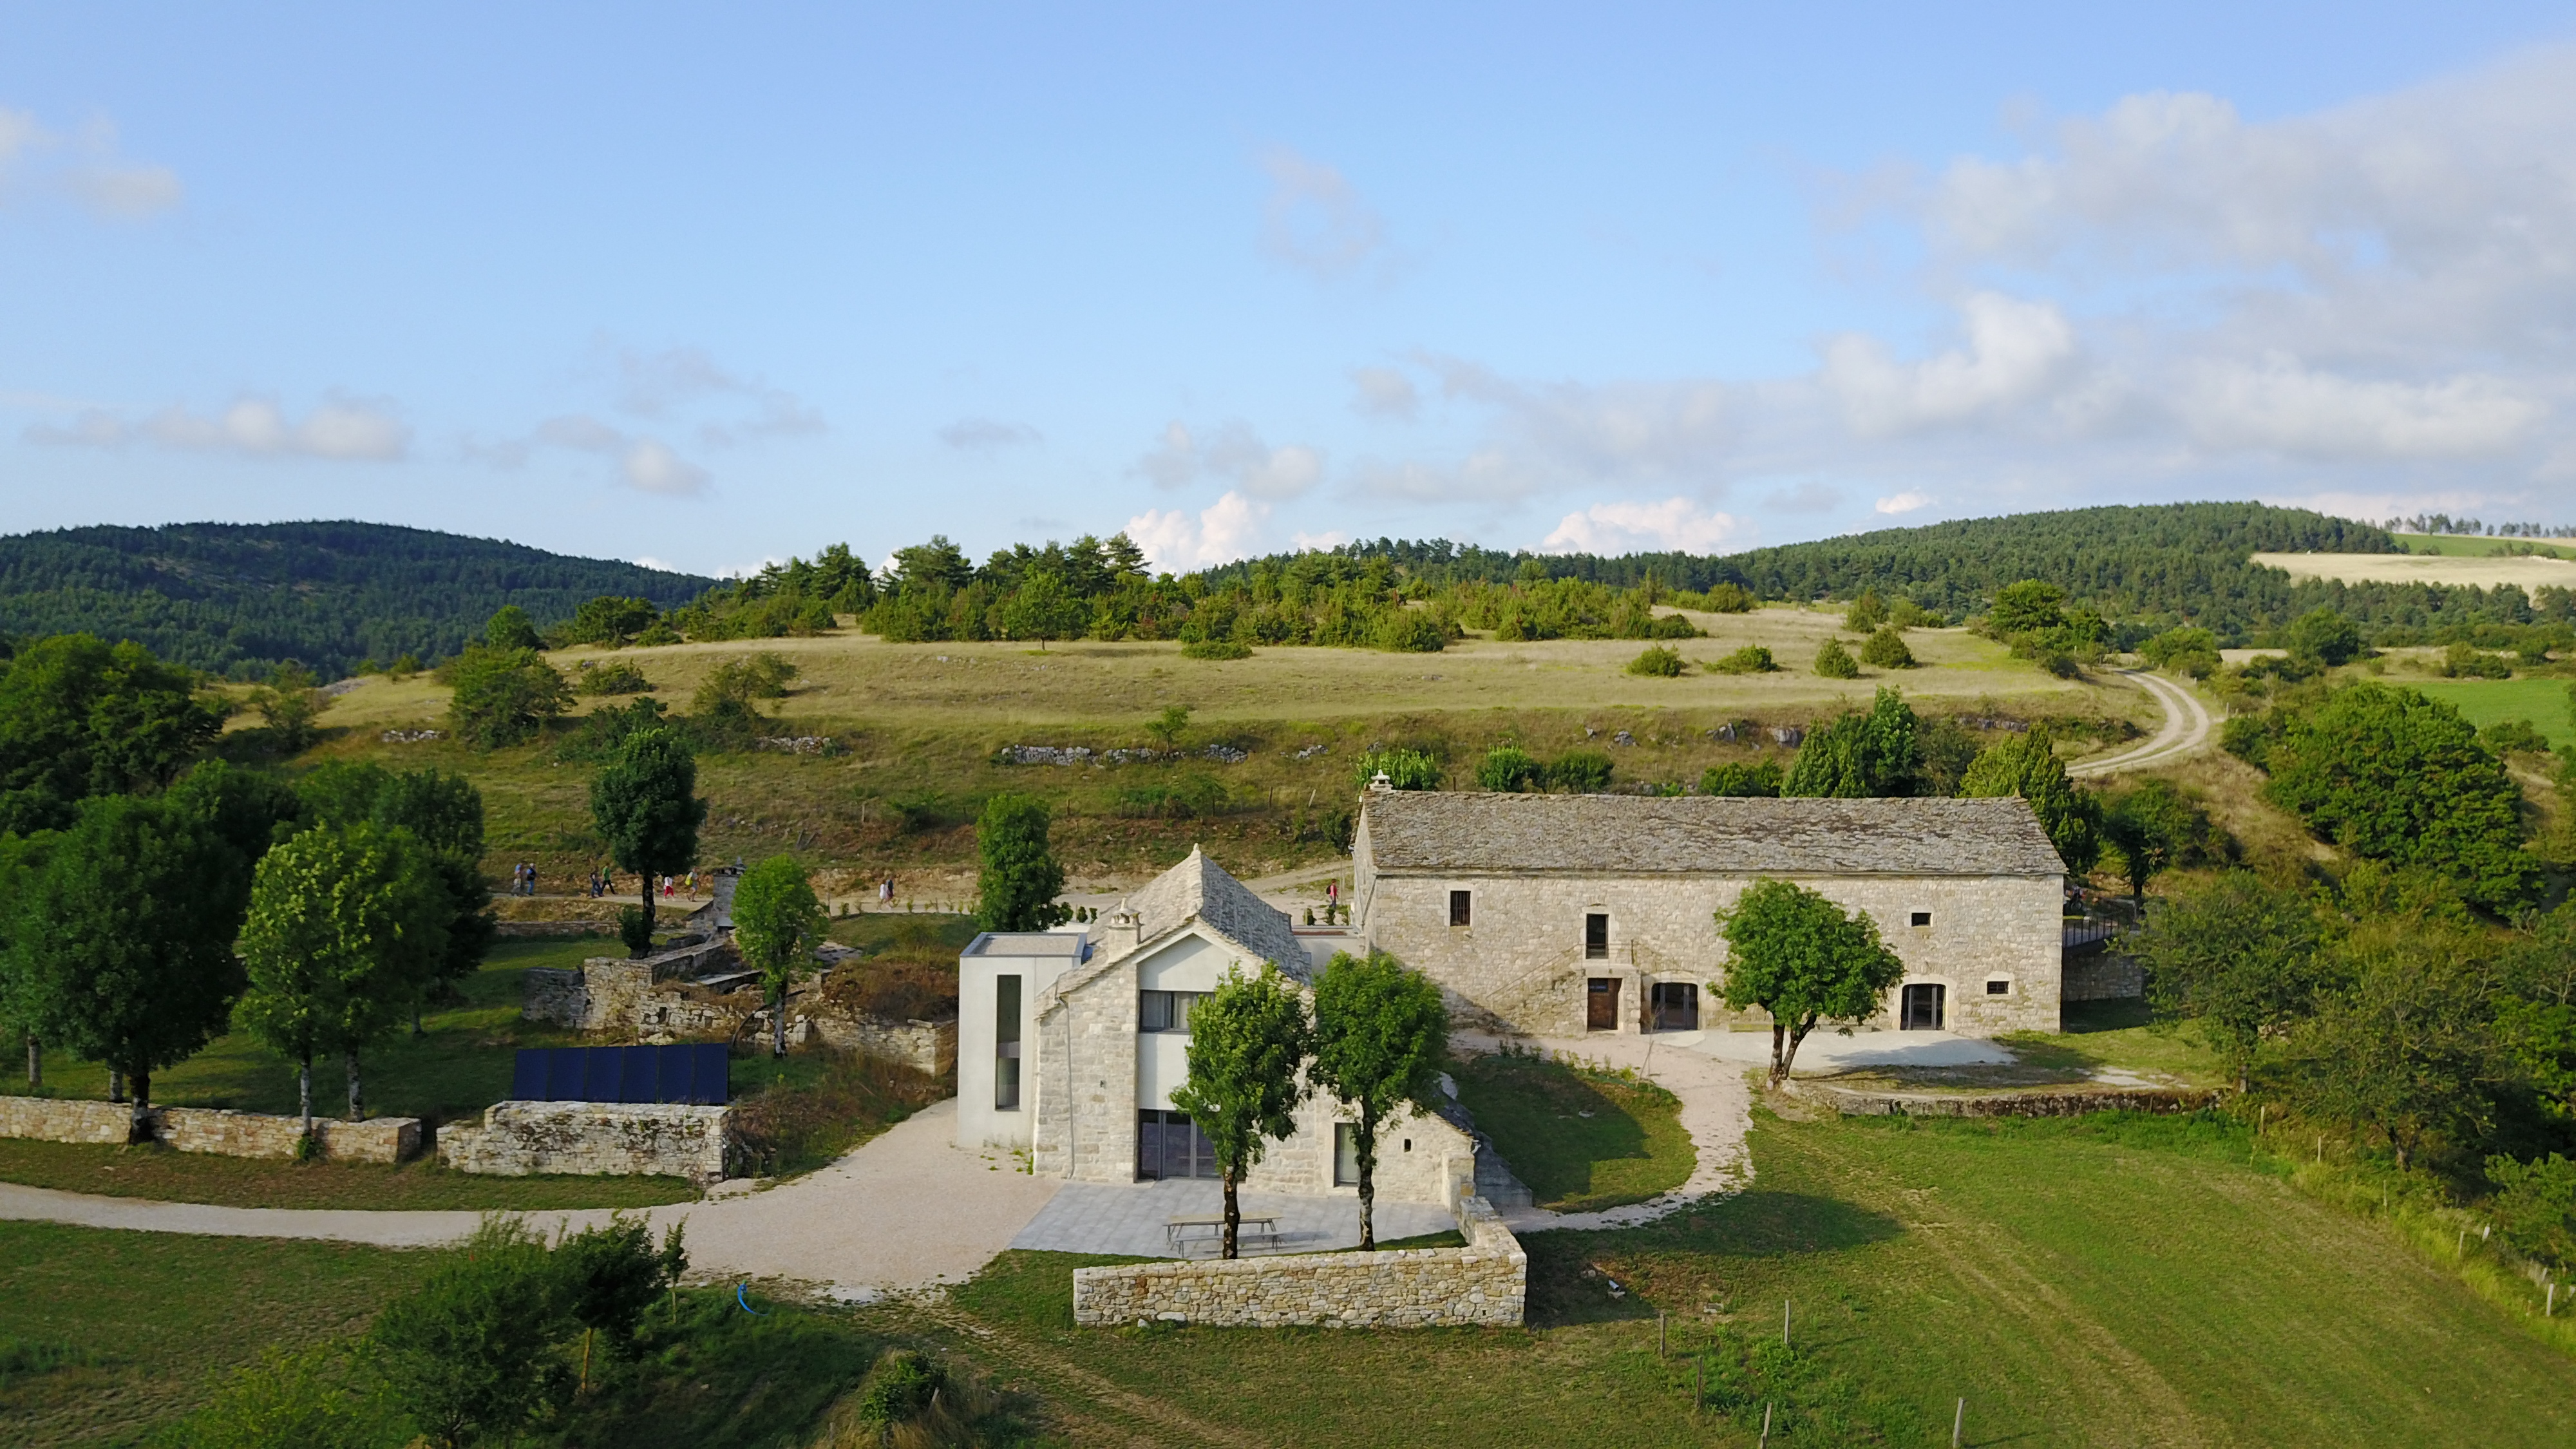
[(1580, 1140), (2544, 701)]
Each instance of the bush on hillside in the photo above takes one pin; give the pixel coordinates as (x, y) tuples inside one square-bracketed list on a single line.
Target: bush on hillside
[(1658, 662), (1510, 770), (1226, 648), (1861, 755), (615, 677), (1579, 772), (1886, 649), (1737, 778), (1405, 769), (1833, 661), (502, 696), (1751, 659), (2467, 661)]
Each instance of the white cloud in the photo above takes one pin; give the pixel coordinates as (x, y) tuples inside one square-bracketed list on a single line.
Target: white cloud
[(2283, 407), (1314, 220), (988, 435), (647, 561), (1905, 502), (86, 166), (1174, 541), (1674, 525), (685, 380), (253, 427), (1383, 392), (2015, 350), (645, 464), (1548, 437), (652, 467), (1235, 454)]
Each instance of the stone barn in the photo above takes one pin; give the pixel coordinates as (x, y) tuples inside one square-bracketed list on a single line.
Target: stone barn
[(1553, 915)]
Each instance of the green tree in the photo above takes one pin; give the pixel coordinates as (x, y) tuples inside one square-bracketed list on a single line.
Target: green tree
[(1042, 608), (2186, 650), (1510, 770), (608, 1276), (1833, 661), (1751, 659), (510, 628), (2535, 1205), (502, 696), (1866, 613), (1799, 957), (1579, 772), (1168, 727), (2323, 635), (2236, 958), (311, 1399), (2027, 765), (2155, 826), (1380, 1034), (1248, 1040), (121, 948), (644, 803), (1405, 769), (80, 718), (2408, 1048), (1886, 649), (1017, 887), (1860, 755), (465, 1353), (2028, 607), (1761, 778), (2393, 776), (291, 704), (444, 813), (777, 923), (1658, 662), (346, 928), (610, 620)]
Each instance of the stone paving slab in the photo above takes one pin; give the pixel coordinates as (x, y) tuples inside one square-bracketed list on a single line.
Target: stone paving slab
[(1129, 1218)]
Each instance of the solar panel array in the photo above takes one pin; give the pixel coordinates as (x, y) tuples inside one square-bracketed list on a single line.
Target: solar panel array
[(696, 1073)]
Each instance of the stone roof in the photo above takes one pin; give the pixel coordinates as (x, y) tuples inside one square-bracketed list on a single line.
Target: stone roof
[(1199, 887), (1027, 943), (1429, 831)]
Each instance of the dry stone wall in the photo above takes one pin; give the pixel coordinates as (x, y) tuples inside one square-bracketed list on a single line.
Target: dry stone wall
[(517, 1139), (925, 1046), (2105, 977), (205, 1129), (1482, 1285)]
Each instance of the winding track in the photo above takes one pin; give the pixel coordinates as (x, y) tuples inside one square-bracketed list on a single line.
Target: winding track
[(2186, 731)]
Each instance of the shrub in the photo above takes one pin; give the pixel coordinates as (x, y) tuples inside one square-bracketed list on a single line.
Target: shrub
[(2514, 737), (635, 928), (2185, 651), (1228, 648), (502, 696), (1751, 659), (2535, 1204), (1740, 779), (1722, 599), (1833, 661), (2467, 661), (790, 1128), (465, 1353), (1907, 614), (1866, 613), (1409, 631), (1886, 649), (1579, 772), (2323, 635), (1405, 769), (307, 1400), (1510, 770), (1657, 661), (616, 677)]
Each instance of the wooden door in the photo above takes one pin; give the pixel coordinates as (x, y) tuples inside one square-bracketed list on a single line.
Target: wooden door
[(1601, 1004)]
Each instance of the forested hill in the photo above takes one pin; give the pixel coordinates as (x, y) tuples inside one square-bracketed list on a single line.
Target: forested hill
[(240, 598)]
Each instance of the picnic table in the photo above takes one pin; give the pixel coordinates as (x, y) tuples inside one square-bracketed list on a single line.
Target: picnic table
[(1187, 1233)]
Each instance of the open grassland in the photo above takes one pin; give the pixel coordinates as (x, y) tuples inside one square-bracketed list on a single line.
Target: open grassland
[(2463, 545), (2079, 1282), (2545, 702), (915, 729), (163, 1175), (1579, 1140), (2485, 571)]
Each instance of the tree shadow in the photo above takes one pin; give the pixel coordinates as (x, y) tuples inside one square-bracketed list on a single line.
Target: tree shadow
[(1600, 1277)]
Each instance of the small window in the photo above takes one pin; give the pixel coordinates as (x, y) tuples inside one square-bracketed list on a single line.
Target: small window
[(1922, 918), (1462, 907), (1165, 1010), (1596, 937), (1346, 1155), (1999, 986), (1006, 1043)]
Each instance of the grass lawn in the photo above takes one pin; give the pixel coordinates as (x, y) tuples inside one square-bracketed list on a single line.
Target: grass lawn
[(2483, 702), (2108, 1280), (1580, 1140), (168, 1176), (2466, 545), (2113, 1042)]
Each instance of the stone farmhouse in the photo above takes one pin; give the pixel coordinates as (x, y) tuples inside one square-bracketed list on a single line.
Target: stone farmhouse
[(1553, 915), (1071, 1041)]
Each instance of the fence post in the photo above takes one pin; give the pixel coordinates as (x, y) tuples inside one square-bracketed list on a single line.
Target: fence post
[(1958, 1424)]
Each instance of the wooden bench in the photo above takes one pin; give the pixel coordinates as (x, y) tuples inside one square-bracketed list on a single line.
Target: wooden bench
[(1251, 1229)]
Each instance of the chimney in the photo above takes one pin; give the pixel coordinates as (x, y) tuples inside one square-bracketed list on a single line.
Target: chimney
[(1121, 932), (1379, 784)]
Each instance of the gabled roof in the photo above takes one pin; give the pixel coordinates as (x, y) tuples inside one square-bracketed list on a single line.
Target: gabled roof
[(1419, 831), (1199, 887)]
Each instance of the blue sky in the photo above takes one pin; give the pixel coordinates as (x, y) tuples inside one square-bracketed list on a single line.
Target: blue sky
[(719, 285)]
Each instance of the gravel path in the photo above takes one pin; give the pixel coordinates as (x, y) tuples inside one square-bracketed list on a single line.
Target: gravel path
[(1717, 1110), (905, 1210), (2186, 730)]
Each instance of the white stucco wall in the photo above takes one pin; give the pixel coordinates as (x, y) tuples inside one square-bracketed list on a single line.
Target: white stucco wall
[(979, 1122)]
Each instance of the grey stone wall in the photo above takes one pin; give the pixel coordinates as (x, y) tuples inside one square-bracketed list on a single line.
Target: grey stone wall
[(925, 1046), (204, 1129), (601, 1138), (606, 993), (1520, 966), (1082, 1104), (2105, 977), (1484, 1284)]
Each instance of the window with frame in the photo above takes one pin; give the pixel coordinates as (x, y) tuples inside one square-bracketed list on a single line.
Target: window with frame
[(1596, 936), (1006, 1043), (1999, 986), (1346, 1154), (1922, 918), (1462, 908), (1165, 1010)]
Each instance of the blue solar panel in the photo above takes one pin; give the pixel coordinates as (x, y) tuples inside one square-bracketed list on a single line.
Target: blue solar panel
[(698, 1072)]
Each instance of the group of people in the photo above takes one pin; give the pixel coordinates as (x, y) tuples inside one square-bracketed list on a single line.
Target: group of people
[(523, 879)]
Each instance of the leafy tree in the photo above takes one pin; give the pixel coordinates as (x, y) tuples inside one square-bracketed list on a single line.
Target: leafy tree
[(777, 923), (121, 948), (2409, 1048), (80, 718), (608, 1276), (1886, 649), (2027, 607), (310, 1399), (1248, 1040), (2536, 1005), (1799, 957), (1017, 888), (1866, 613), (1405, 769), (1380, 1034), (1657, 661), (2514, 737), (1168, 727), (2236, 958), (510, 628), (1737, 778), (645, 804), (1860, 755), (2184, 650), (346, 928), (2535, 1205), (2155, 826), (1751, 659), (465, 1352), (2323, 635), (1042, 608), (610, 620), (2027, 765), (1510, 770), (444, 813), (503, 696), (291, 704), (1833, 661), (2391, 775), (1579, 772)]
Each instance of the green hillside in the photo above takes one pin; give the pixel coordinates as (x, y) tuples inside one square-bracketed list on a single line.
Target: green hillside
[(240, 598)]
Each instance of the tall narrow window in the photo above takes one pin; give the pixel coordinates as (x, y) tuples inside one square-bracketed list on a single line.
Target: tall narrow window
[(1346, 1155), (1596, 937), (1462, 907), (1006, 1043)]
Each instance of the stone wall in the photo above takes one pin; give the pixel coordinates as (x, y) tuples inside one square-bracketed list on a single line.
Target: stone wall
[(607, 993), (1484, 1284), (205, 1129), (597, 1138), (1521, 966), (2074, 1101), (2105, 977), (929, 1047)]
